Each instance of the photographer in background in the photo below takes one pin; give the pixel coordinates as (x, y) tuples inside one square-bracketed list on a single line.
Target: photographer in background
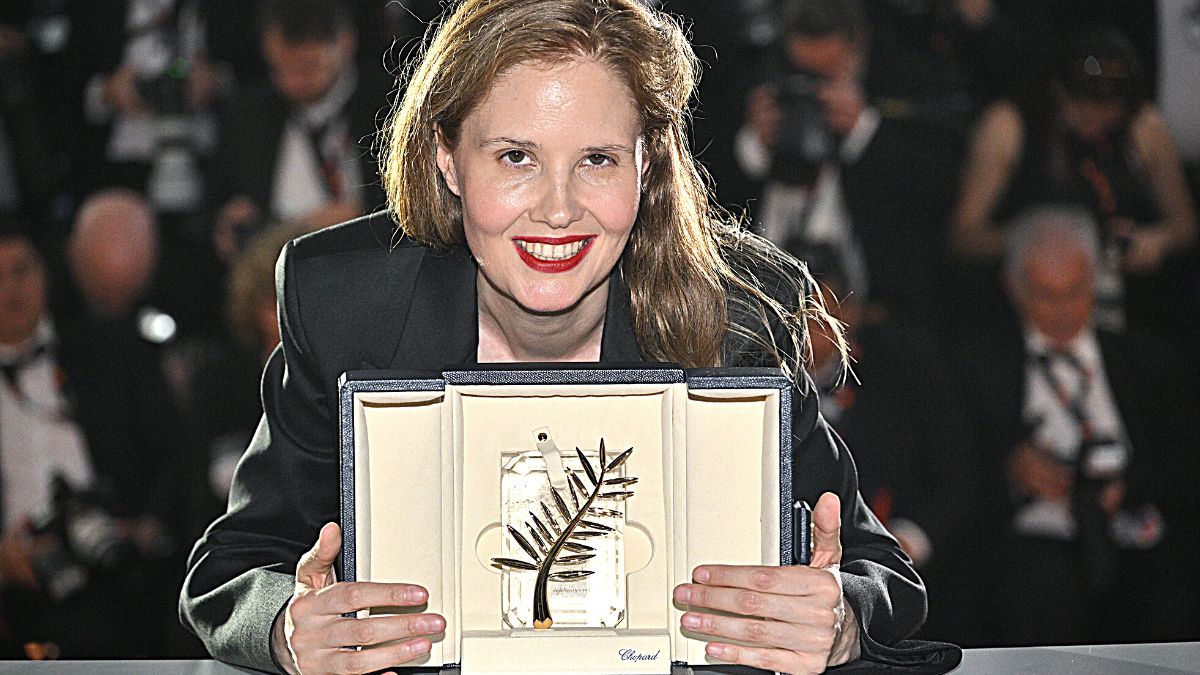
[(842, 167), (806, 123), (298, 148), (86, 566), (148, 93)]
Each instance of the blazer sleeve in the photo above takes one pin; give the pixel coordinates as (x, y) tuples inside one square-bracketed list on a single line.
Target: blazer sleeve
[(241, 573), (878, 579)]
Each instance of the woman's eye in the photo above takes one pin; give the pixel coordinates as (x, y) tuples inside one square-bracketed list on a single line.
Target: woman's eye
[(515, 156), (597, 159)]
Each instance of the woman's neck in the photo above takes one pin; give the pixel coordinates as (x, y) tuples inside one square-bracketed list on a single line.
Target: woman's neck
[(509, 333)]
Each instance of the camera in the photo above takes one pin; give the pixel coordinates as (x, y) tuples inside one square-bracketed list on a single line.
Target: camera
[(79, 538), (166, 91), (803, 140), (174, 184)]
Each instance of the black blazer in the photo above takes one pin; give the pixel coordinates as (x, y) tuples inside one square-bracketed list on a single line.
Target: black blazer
[(349, 300)]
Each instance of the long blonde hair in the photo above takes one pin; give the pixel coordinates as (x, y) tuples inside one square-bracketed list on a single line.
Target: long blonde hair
[(689, 265)]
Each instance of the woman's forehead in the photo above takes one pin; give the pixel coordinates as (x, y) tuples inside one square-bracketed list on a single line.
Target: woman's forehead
[(579, 95)]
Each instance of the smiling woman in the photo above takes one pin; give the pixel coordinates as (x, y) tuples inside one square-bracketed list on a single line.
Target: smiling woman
[(619, 78), (544, 206), (550, 185)]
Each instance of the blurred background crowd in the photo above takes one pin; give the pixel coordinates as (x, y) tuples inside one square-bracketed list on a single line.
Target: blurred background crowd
[(1001, 194)]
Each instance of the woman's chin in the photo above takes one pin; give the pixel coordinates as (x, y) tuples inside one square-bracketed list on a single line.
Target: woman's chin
[(549, 297), (548, 305)]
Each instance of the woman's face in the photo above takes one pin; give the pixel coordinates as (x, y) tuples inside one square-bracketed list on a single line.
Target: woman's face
[(548, 168)]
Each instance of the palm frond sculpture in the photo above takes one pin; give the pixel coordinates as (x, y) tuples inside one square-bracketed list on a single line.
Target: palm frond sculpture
[(552, 536)]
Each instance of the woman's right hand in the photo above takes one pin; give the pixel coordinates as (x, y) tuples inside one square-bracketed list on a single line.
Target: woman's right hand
[(311, 635)]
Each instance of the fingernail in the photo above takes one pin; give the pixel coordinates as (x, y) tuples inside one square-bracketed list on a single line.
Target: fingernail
[(713, 649), (700, 575), (420, 647), (691, 621), (416, 594), (683, 594)]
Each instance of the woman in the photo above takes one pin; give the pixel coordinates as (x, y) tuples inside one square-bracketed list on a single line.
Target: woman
[(1089, 138), (549, 137)]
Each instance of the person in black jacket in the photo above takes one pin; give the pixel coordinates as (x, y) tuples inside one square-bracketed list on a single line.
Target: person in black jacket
[(548, 210), (855, 139), (297, 148)]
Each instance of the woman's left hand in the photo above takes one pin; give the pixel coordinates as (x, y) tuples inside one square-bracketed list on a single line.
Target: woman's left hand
[(794, 616)]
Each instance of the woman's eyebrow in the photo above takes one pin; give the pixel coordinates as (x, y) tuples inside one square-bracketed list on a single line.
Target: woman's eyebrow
[(612, 147), (506, 140)]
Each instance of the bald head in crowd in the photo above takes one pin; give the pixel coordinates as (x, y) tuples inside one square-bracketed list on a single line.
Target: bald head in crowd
[(1049, 270), (113, 251)]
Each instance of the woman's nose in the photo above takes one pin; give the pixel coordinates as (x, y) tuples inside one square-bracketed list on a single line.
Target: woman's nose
[(558, 205)]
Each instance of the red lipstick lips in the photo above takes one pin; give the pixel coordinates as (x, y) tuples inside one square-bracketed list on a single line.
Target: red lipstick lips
[(553, 266)]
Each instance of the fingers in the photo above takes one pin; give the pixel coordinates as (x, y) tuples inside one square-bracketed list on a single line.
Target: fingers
[(320, 639), (315, 569), (782, 593), (827, 531), (1146, 251), (798, 580), (350, 661), (817, 634), (374, 630), (772, 660), (354, 596)]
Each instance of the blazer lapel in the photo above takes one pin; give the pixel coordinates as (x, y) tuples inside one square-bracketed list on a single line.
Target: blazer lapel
[(618, 344), (442, 326)]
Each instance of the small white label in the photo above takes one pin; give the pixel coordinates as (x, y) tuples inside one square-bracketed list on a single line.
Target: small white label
[(553, 457)]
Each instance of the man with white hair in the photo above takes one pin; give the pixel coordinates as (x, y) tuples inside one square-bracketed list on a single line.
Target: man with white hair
[(1085, 434), (113, 251)]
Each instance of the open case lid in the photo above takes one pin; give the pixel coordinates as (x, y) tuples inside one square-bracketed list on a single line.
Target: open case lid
[(426, 510)]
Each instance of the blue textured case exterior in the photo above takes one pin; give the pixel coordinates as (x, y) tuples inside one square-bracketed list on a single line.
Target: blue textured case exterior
[(363, 381)]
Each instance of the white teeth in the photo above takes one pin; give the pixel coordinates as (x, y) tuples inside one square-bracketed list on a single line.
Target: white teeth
[(552, 252)]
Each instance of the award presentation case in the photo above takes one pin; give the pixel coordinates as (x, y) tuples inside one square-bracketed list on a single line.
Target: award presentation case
[(431, 467)]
